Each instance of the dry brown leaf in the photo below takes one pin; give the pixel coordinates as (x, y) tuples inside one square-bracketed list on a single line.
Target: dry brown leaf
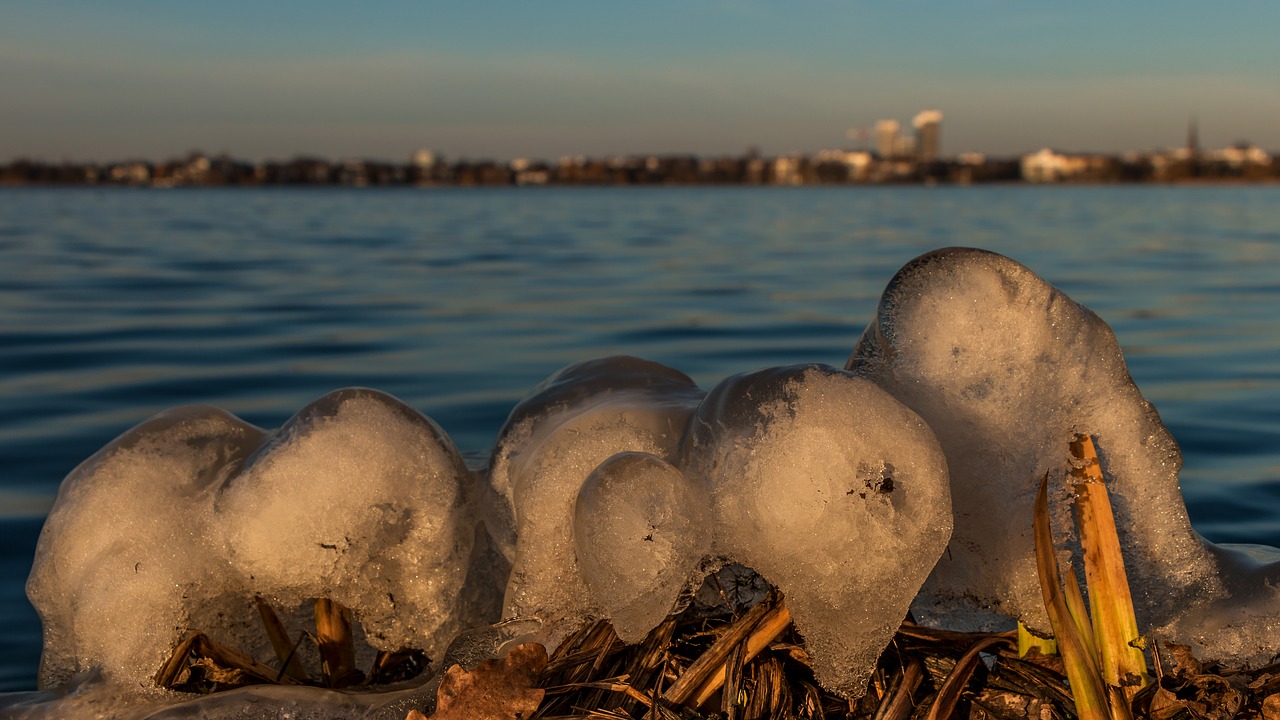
[(1184, 661), (496, 689), (1165, 705), (954, 684), (1271, 707), (1219, 700)]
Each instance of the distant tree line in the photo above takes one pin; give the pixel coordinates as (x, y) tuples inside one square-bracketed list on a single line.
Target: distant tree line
[(830, 167)]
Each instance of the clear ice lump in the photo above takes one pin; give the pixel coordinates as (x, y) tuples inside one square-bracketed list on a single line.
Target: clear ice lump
[(832, 490), (1007, 369), (550, 445), (183, 520)]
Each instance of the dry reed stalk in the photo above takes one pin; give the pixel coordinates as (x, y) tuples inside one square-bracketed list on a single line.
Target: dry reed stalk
[(732, 697), (897, 704), (766, 629), (1031, 679), (1110, 603), (167, 675), (1087, 688), (698, 674), (285, 650), (643, 669), (337, 644), (1028, 641), (1079, 612), (771, 694), (944, 703), (221, 664)]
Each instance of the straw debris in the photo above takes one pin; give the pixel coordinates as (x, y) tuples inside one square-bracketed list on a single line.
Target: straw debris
[(764, 672), (744, 660), (198, 664)]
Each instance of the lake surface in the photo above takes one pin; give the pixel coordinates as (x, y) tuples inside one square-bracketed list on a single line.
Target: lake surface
[(117, 304)]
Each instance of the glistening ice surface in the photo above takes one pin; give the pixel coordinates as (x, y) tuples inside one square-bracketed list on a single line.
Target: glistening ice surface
[(1007, 369), (575, 420), (832, 490), (182, 521), (642, 530), (131, 552)]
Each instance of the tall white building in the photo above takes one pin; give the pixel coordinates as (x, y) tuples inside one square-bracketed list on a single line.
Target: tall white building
[(927, 125), (887, 138)]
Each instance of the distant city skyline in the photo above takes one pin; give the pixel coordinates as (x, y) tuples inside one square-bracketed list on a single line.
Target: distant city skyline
[(86, 81)]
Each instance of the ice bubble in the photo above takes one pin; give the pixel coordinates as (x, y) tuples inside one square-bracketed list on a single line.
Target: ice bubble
[(641, 530), (131, 552), (1007, 369), (553, 440), (360, 499), (833, 491)]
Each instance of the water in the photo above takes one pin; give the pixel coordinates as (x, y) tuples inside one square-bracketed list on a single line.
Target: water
[(118, 304)]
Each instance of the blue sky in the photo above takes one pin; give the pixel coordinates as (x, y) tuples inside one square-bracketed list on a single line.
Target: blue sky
[(136, 78)]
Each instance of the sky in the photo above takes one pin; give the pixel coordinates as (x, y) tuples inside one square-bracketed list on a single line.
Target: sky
[(502, 79)]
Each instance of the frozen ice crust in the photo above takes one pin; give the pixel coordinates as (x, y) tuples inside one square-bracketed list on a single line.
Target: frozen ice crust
[(833, 491), (183, 520), (1007, 369)]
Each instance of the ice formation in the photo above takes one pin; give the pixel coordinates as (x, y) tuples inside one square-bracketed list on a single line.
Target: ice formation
[(131, 550), (181, 521), (553, 440), (360, 499), (1006, 369), (833, 491), (1240, 624), (641, 531)]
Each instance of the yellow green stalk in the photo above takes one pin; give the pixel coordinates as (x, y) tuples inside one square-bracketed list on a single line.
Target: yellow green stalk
[(1027, 641), (1115, 628), (1079, 614), (1087, 688)]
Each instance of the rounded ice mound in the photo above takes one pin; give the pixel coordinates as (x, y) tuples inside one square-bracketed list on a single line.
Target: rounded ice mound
[(360, 499), (1007, 369), (575, 420), (1242, 626), (641, 530), (833, 491), (131, 552)]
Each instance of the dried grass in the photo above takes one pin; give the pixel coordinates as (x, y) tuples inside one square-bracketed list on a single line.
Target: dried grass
[(750, 663)]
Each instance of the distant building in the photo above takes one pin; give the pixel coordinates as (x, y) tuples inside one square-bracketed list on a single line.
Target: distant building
[(855, 165), (927, 125), (529, 172), (132, 173), (787, 170), (859, 164), (1049, 166), (887, 138), (904, 148), (1046, 166), (1242, 153)]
